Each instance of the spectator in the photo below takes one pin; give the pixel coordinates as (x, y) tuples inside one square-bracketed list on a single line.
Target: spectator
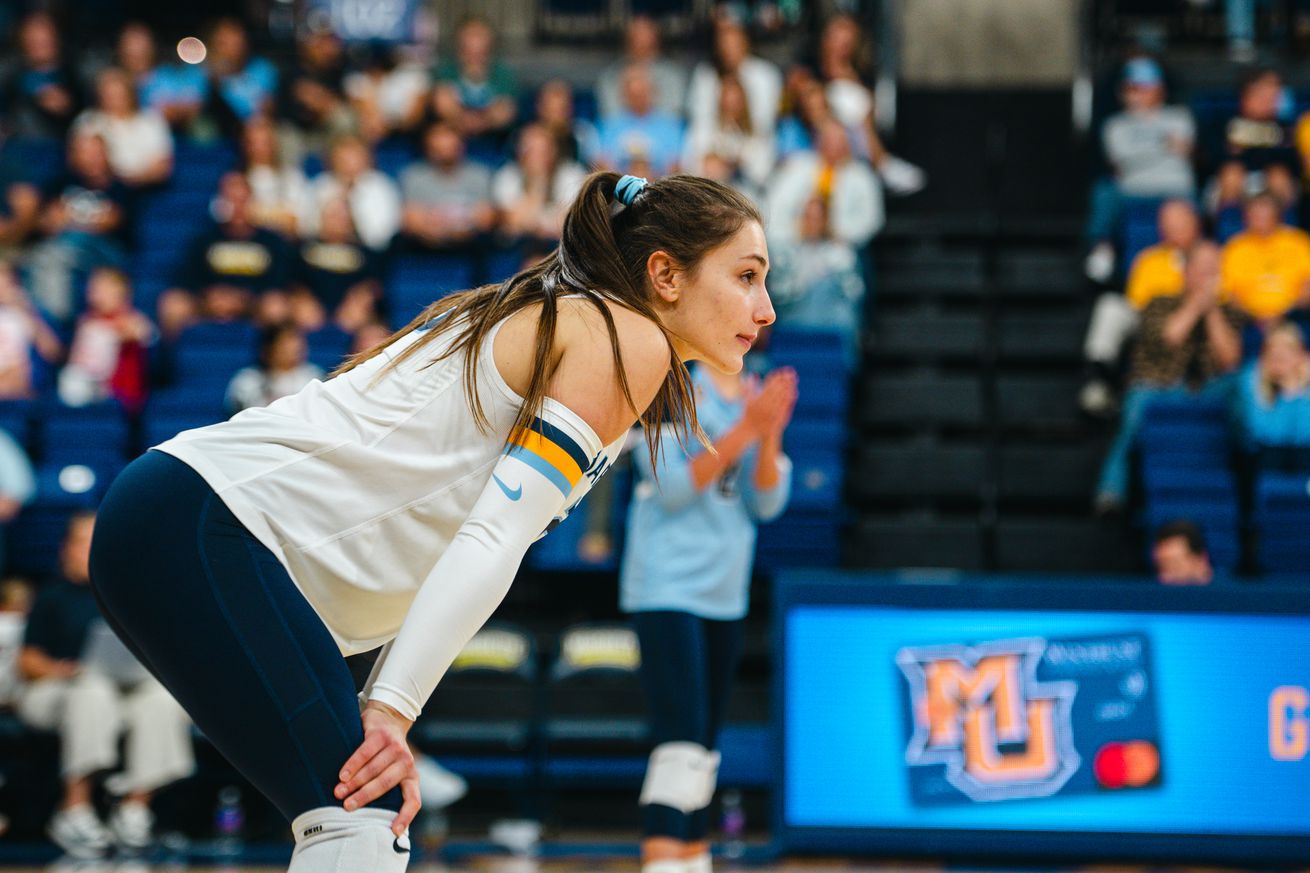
[(1276, 391), (534, 192), (1259, 147), (685, 581), (245, 86), (844, 67), (368, 337), (229, 266), (139, 142), (107, 357), (1180, 555), (279, 192), (761, 79), (374, 200), (726, 171), (336, 277), (389, 95), (476, 92), (732, 136), (807, 106), (1266, 268), (1186, 344), (40, 94), (283, 370), (20, 207), (575, 140), (846, 186), (1148, 146), (640, 140), (313, 101), (15, 603), (176, 92), (22, 332), (1156, 271), (17, 484), (90, 708), (817, 280), (447, 197), (642, 47), (85, 215)]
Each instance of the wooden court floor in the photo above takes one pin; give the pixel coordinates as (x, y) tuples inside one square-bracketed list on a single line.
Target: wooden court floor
[(520, 865)]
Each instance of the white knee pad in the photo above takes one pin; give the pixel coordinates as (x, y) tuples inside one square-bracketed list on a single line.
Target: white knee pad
[(331, 840), (680, 775)]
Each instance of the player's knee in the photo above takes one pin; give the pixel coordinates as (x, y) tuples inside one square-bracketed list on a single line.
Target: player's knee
[(329, 838), (681, 775)]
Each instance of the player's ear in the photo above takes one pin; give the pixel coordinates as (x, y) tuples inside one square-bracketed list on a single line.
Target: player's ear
[(664, 275)]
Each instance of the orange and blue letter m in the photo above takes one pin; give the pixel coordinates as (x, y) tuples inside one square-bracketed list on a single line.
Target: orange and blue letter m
[(980, 712)]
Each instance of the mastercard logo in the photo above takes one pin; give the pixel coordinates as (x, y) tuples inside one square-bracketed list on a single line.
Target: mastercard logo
[(1126, 765)]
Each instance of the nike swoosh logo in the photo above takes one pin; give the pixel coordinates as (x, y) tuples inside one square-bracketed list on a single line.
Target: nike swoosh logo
[(398, 848), (512, 495)]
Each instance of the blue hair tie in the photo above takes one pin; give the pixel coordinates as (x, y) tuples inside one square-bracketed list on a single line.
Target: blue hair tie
[(628, 188)]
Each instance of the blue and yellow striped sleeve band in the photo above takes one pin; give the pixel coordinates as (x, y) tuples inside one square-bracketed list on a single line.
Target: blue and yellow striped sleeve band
[(551, 452)]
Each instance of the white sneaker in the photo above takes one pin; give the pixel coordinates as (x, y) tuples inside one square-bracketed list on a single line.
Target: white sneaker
[(901, 177), (79, 832), (1099, 265), (437, 786), (131, 823)]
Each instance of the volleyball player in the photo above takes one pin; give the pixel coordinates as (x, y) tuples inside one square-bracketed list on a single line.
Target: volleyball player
[(393, 503), (685, 580)]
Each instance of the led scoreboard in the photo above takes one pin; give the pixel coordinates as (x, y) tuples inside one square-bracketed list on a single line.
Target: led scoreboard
[(1060, 718)]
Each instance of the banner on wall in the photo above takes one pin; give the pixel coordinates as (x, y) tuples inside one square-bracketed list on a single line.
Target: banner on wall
[(366, 20), (1177, 723)]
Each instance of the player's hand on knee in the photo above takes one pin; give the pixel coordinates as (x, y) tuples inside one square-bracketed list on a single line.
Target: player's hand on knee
[(381, 762)]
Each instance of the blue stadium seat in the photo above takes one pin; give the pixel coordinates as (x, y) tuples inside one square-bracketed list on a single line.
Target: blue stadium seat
[(38, 160), (1281, 515), (818, 480), (95, 435), (35, 536), (211, 352), (1139, 228), (1162, 482), (16, 420), (328, 347), (501, 265), (393, 156), (418, 280), (161, 425), (800, 538)]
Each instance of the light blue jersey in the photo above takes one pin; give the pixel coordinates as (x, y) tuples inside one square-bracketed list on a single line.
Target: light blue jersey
[(692, 550)]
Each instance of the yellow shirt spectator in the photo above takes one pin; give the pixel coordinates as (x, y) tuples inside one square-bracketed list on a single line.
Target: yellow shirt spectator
[(1266, 275), (1156, 272)]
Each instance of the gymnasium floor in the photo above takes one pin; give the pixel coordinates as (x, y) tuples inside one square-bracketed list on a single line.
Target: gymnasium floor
[(520, 865)]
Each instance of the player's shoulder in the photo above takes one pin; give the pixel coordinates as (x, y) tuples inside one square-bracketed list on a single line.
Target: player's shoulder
[(642, 342)]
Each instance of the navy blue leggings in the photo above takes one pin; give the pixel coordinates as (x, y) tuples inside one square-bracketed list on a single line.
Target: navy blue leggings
[(214, 616), (687, 667)]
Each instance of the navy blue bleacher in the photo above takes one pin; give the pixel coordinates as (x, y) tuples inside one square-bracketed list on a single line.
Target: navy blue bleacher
[(418, 280), (1185, 453)]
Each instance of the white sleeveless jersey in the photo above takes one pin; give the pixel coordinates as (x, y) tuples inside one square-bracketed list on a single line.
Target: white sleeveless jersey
[(358, 486)]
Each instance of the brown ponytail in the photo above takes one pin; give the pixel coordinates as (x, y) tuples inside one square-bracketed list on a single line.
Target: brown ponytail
[(602, 257)]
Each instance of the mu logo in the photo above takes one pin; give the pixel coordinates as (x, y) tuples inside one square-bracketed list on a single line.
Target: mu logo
[(981, 712)]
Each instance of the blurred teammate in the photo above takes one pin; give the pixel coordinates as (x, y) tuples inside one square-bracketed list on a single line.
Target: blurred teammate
[(393, 504), (686, 581)]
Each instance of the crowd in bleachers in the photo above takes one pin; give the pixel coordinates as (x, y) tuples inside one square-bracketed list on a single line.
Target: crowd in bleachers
[(183, 239), (1200, 217)]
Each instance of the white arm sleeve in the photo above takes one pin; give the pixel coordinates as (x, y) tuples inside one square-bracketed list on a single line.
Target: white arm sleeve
[(543, 473)]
